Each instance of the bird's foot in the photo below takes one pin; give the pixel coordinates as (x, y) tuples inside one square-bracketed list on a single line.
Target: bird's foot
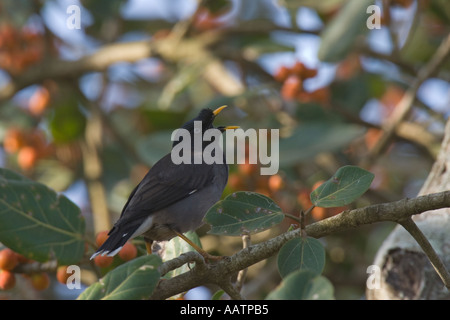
[(209, 257)]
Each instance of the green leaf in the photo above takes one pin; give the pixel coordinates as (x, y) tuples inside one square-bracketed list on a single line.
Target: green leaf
[(312, 138), (243, 213), (301, 254), (339, 36), (303, 285), (177, 246), (217, 295), (38, 223), (135, 279), (154, 146), (347, 184), (67, 122)]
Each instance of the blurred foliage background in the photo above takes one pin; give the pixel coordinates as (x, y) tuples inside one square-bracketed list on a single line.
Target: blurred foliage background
[(88, 110)]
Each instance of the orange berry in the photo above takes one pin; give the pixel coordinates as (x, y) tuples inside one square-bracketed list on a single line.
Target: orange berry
[(309, 73), (128, 252), (291, 87), (101, 237), (302, 71), (103, 261), (13, 141), (27, 157), (247, 168), (391, 99), (62, 275), (8, 259), (275, 182), (40, 281), (317, 184), (281, 74), (298, 68), (372, 136), (7, 280), (39, 101), (319, 213), (303, 199)]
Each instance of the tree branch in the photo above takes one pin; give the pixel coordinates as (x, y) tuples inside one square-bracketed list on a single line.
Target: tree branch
[(437, 263), (350, 219), (404, 107)]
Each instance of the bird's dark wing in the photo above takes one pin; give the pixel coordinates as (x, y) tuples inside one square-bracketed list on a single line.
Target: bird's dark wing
[(166, 183)]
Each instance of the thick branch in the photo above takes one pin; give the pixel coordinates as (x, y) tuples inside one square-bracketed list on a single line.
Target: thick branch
[(214, 273)]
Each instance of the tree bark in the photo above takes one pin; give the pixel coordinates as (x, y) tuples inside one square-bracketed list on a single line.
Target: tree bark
[(406, 273)]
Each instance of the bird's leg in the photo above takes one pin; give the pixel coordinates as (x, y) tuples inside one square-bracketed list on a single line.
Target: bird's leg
[(148, 245), (205, 254)]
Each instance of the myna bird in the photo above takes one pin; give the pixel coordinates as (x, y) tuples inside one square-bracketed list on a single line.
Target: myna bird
[(171, 199)]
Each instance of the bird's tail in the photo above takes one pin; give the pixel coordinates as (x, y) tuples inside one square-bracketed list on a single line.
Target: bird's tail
[(117, 238)]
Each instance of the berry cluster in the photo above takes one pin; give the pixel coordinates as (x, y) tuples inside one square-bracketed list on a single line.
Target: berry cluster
[(128, 252), (19, 48), (29, 146), (10, 260), (293, 78)]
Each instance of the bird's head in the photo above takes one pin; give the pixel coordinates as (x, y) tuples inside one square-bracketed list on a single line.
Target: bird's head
[(206, 116)]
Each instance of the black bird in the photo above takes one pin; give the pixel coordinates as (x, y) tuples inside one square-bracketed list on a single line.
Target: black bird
[(171, 199)]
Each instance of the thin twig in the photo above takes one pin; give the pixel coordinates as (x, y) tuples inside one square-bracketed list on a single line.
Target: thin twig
[(404, 107), (246, 242), (437, 263)]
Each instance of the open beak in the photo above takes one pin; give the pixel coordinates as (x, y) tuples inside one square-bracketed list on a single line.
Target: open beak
[(217, 111)]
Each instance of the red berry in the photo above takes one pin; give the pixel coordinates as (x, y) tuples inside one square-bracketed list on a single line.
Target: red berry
[(291, 87), (101, 237), (128, 252), (103, 261), (7, 280), (8, 259), (40, 281)]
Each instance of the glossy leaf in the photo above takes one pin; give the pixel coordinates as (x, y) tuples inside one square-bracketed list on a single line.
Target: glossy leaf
[(301, 254), (175, 247), (303, 285), (38, 223), (243, 213), (133, 280), (347, 184)]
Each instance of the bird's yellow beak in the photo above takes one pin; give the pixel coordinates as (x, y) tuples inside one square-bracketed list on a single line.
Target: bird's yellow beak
[(217, 111), (231, 127)]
